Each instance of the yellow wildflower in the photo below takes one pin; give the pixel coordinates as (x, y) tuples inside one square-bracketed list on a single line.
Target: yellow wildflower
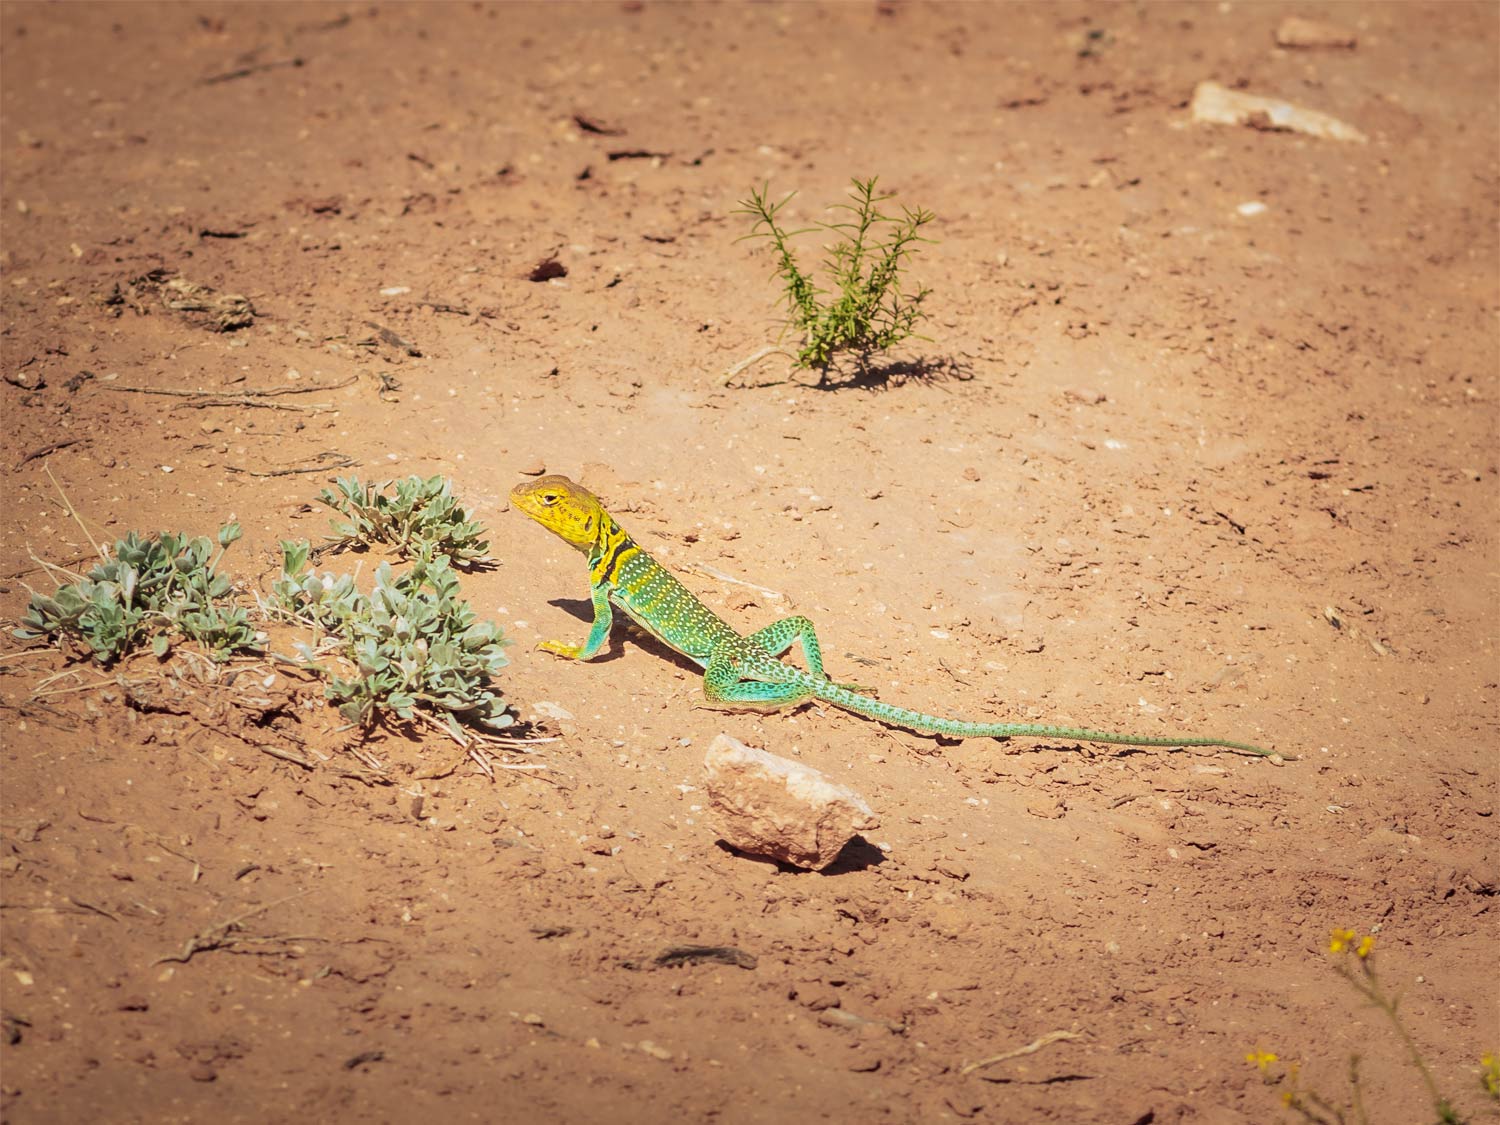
[(1340, 940), (1366, 945), (1261, 1059), (1489, 1074)]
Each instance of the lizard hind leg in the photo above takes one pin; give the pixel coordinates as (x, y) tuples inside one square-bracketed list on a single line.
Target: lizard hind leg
[(726, 689), (781, 635)]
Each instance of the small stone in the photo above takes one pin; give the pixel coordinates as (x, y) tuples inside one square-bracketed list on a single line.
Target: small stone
[(202, 1072), (1046, 807), (781, 809), (654, 1051), (26, 380), (837, 1017), (1295, 31), (547, 710), (534, 468), (819, 998)]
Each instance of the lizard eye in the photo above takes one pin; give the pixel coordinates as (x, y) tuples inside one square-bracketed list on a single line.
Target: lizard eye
[(549, 498)]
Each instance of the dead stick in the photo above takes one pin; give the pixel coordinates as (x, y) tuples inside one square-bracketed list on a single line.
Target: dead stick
[(46, 449), (1030, 1049), (752, 359), (287, 756), (214, 936), (259, 404), (68, 504), (254, 392), (247, 71), (326, 462), (42, 565)]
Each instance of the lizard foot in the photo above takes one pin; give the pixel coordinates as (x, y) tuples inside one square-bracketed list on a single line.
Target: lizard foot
[(560, 649)]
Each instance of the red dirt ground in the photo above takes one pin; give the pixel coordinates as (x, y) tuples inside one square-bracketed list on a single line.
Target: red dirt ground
[(1151, 451)]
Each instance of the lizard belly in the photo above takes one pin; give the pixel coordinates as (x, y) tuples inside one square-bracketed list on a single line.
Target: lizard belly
[(673, 643)]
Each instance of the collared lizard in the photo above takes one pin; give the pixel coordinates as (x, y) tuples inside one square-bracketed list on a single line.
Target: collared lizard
[(743, 671)]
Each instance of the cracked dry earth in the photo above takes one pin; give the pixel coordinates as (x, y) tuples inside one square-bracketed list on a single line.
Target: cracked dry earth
[(1164, 463)]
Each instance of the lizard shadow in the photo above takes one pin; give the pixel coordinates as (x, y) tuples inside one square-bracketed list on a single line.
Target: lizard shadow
[(623, 626)]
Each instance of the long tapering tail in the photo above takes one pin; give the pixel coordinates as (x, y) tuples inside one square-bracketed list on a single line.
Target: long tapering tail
[(959, 728)]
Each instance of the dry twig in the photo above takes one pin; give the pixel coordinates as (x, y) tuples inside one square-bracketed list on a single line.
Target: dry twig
[(72, 511), (46, 449), (752, 359), (1030, 1049), (222, 935)]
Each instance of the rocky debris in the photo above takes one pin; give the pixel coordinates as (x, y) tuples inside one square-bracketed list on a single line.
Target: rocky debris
[(774, 807), (197, 304), (1295, 31), (1218, 105)]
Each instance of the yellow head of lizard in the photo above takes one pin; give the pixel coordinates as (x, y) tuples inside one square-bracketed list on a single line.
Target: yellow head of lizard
[(566, 509)]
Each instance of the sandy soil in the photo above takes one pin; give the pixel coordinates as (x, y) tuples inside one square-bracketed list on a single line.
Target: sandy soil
[(1162, 465)]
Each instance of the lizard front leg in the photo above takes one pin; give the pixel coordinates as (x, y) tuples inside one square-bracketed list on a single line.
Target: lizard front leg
[(604, 616)]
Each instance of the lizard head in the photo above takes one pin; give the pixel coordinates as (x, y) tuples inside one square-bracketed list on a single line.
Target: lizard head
[(568, 510)]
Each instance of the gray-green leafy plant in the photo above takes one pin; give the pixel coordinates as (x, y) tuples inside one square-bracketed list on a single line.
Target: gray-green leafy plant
[(420, 518), (151, 589), (866, 310), (412, 642)]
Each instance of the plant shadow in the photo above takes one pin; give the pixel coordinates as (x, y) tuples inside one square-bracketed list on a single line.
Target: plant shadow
[(931, 370)]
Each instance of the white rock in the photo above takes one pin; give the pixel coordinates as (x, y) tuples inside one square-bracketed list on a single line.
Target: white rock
[(775, 807), (1220, 106)]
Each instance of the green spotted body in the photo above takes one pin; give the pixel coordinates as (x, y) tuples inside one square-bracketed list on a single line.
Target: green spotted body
[(741, 670)]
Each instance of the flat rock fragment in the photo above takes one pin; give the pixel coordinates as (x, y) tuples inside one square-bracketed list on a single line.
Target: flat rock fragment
[(1218, 105), (774, 807), (1298, 31)]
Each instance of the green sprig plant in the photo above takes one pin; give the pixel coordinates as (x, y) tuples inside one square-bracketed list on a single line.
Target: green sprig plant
[(148, 589), (1352, 958), (420, 518), (412, 642), (866, 311)]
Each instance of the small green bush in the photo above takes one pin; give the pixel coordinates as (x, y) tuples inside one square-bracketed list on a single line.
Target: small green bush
[(420, 518), (866, 311), (412, 642), (148, 589)]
